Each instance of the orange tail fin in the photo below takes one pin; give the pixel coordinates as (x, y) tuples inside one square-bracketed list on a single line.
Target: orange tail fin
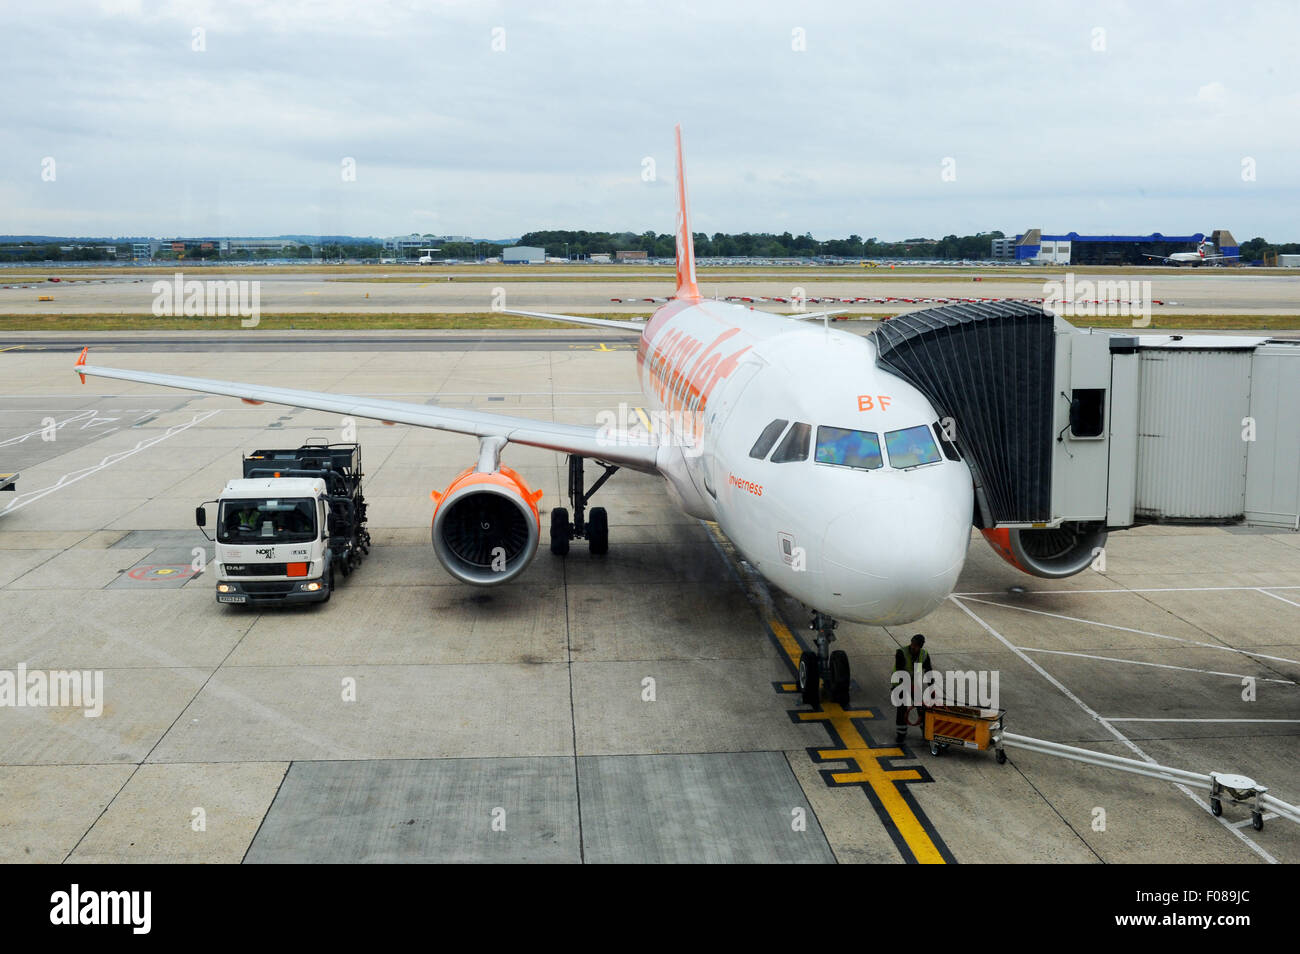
[(686, 287)]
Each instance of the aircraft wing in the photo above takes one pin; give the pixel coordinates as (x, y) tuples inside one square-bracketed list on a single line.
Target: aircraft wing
[(635, 325), (635, 451)]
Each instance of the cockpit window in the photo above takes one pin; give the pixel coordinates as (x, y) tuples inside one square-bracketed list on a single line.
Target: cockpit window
[(767, 439), (943, 431), (795, 445), (847, 448), (911, 447)]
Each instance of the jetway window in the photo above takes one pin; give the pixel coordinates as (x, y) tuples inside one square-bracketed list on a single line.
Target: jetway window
[(911, 447), (767, 439), (795, 446), (848, 448), (1087, 412)]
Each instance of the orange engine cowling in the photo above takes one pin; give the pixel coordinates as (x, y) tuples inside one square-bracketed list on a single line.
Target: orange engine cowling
[(486, 526), (1051, 552)]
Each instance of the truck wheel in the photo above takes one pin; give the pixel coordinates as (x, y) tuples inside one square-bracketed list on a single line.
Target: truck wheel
[(329, 586), (561, 531), (598, 531)]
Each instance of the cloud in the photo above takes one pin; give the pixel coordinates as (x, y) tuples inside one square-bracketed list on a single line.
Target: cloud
[(847, 135)]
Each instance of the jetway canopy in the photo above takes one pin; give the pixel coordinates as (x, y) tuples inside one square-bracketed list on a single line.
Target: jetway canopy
[(1062, 425)]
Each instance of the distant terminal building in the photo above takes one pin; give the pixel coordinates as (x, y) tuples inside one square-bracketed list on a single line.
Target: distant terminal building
[(409, 246), (1075, 249), (1004, 249), (599, 257), (235, 245), (523, 255), (631, 256)]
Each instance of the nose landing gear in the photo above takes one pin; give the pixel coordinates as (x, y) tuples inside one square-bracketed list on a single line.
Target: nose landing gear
[(834, 666)]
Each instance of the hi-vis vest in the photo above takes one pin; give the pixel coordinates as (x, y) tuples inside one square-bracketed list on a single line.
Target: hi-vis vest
[(908, 662)]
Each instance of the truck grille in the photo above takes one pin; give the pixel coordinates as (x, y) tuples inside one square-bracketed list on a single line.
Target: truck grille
[(268, 588), (256, 569)]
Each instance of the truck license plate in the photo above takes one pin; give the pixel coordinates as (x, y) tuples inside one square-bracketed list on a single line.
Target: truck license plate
[(237, 598)]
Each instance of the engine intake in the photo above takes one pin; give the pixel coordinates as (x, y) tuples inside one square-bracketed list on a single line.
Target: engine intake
[(486, 526), (1053, 552)]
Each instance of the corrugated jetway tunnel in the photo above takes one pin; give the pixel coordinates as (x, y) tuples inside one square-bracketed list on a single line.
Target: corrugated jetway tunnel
[(1069, 433)]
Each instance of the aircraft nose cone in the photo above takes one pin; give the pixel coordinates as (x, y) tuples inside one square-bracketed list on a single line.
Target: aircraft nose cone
[(895, 560)]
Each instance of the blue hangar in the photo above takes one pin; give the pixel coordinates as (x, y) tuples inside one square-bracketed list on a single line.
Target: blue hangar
[(1072, 248)]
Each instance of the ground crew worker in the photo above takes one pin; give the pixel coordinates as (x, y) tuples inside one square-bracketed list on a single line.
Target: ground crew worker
[(906, 659), (248, 521)]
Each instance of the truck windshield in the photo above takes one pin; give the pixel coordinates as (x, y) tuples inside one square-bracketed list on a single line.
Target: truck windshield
[(291, 520)]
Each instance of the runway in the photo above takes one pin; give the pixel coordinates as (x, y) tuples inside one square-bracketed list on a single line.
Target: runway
[(518, 723), (1200, 291)]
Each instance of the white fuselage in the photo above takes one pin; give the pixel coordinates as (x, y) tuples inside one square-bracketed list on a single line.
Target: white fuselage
[(880, 545)]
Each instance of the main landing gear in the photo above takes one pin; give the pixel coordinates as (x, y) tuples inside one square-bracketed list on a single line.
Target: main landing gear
[(824, 665), (594, 526)]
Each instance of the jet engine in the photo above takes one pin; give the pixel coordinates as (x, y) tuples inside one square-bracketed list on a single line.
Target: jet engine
[(1052, 552), (486, 526)]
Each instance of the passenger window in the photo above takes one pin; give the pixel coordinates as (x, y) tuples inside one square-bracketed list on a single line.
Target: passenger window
[(911, 447), (848, 448), (795, 445), (767, 439)]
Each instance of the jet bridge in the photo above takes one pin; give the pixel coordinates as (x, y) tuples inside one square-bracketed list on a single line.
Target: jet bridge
[(1070, 433)]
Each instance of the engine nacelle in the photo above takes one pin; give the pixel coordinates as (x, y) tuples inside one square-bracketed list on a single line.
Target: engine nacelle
[(486, 526), (1049, 552)]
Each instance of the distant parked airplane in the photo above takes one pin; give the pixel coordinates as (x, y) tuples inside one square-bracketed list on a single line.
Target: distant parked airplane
[(1194, 259)]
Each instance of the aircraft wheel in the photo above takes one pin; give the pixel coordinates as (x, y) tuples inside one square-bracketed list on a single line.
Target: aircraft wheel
[(561, 531), (810, 679), (840, 678), (598, 531)]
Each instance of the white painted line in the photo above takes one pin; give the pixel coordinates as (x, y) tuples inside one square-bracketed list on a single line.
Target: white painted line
[(1105, 724), (57, 426), (1138, 662), (1139, 632), (1127, 719), (1124, 589), (72, 477), (1246, 821), (1276, 597)]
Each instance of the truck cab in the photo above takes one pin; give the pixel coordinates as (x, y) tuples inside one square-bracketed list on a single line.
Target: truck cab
[(272, 541)]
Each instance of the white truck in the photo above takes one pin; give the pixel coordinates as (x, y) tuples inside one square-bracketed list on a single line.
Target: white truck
[(290, 525)]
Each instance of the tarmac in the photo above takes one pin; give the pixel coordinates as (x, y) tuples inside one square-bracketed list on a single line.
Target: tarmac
[(632, 707), (1186, 291)]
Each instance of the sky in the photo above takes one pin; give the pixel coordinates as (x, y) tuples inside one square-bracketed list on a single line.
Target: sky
[(892, 120)]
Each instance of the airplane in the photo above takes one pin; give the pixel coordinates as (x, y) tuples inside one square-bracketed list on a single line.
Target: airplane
[(427, 258), (829, 474), (1195, 259)]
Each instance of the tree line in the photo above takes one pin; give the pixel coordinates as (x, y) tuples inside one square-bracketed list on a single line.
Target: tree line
[(578, 244)]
